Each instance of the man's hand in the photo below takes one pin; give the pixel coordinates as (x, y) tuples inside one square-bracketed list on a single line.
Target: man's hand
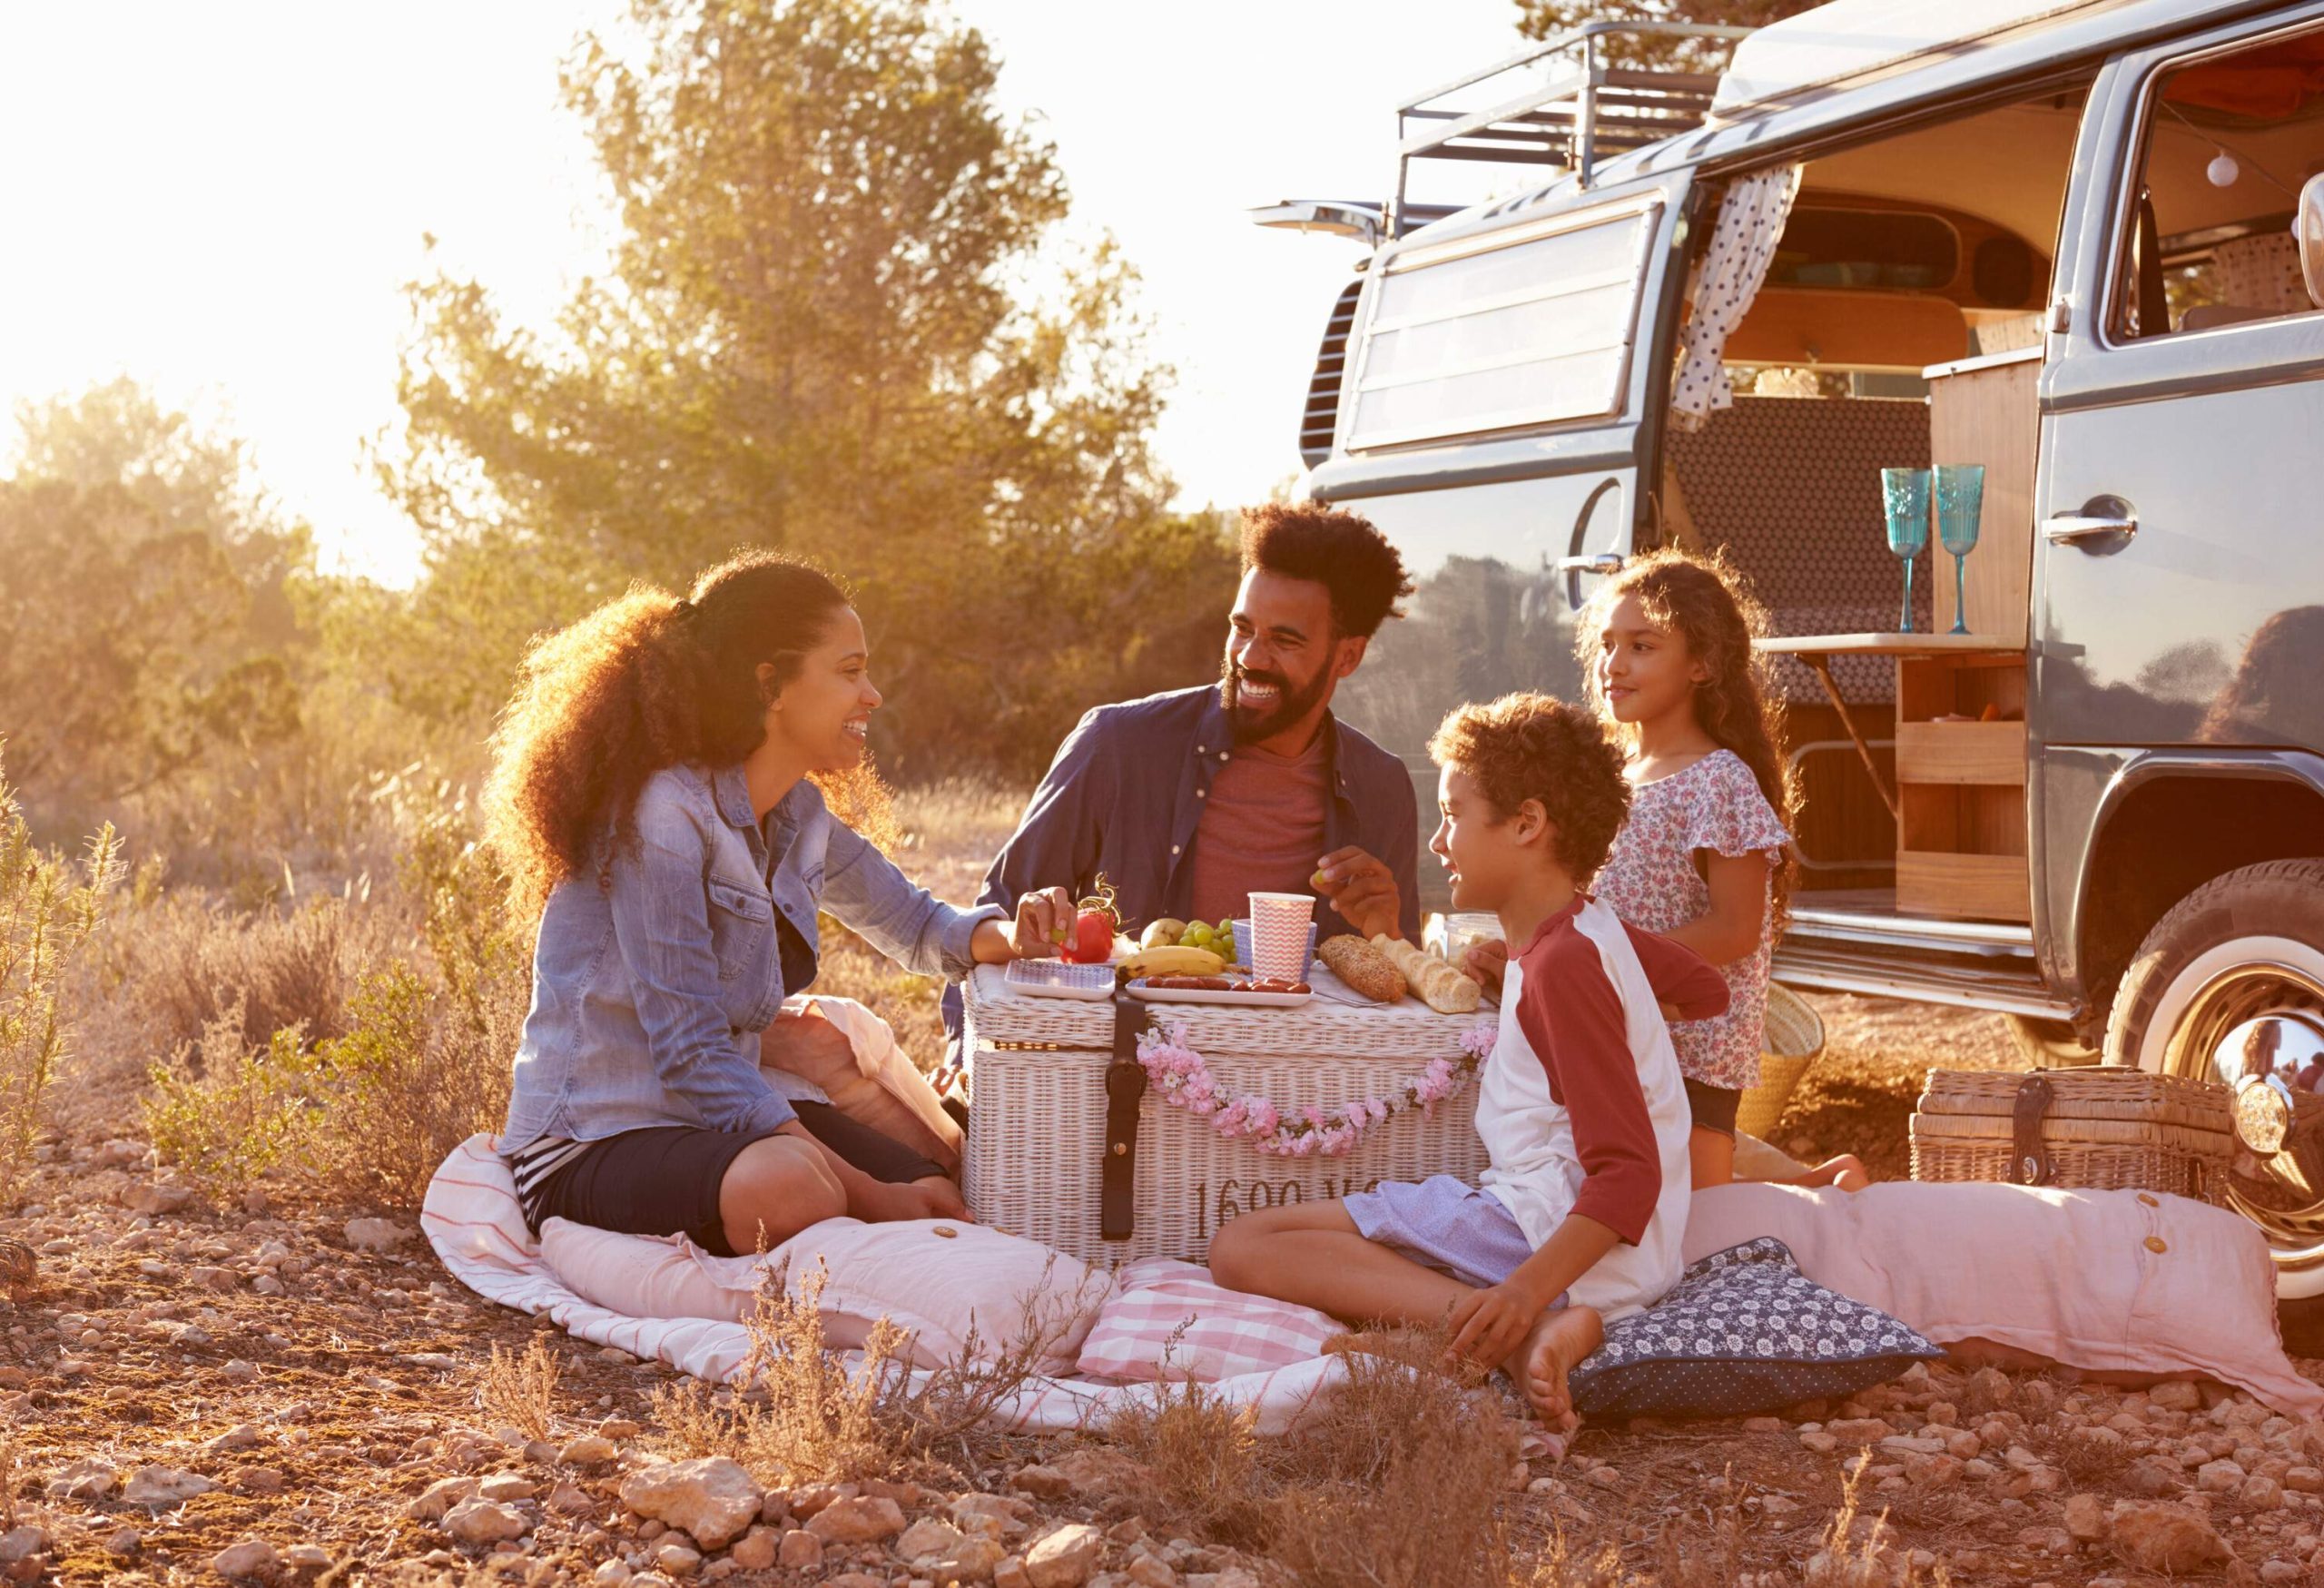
[(1488, 1325), (1361, 888), (1041, 915), (1486, 961)]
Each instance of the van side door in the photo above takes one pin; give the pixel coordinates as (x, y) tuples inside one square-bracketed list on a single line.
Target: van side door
[(1502, 387), (2178, 570)]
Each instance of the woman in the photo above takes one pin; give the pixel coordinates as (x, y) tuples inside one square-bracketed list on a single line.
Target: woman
[(652, 799)]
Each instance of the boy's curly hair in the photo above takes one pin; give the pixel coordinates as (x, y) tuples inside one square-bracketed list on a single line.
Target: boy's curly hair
[(1529, 746), (1340, 551)]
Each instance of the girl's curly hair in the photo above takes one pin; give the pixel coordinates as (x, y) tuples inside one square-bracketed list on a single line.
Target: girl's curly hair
[(646, 681), (1709, 607), (1529, 746)]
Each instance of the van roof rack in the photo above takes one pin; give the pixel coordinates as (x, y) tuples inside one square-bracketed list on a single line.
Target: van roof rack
[(1582, 110)]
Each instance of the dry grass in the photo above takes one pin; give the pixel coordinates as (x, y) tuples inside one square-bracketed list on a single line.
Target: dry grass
[(1397, 1483), (1204, 1454), (420, 1060), (797, 1413), (520, 1392), (185, 962), (1398, 1486)]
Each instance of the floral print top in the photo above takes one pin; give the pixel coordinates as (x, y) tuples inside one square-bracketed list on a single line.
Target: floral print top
[(1649, 879)]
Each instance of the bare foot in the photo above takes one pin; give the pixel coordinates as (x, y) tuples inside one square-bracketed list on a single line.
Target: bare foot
[(1561, 1338), (1844, 1171)]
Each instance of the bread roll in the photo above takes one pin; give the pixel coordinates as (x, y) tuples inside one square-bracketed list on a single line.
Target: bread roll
[(1440, 987), (1363, 967)]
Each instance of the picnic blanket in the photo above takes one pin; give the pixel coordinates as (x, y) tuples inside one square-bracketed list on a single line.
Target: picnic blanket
[(471, 1219)]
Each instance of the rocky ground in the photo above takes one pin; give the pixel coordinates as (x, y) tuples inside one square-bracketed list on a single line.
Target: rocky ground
[(191, 1394)]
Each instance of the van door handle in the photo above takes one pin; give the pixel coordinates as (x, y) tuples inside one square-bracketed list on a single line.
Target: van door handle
[(2068, 528), (1602, 562)]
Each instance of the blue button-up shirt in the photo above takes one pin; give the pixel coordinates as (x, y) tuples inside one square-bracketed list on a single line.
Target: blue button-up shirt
[(1127, 789), (650, 987)]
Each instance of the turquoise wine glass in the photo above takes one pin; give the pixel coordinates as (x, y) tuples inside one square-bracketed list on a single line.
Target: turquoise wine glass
[(1959, 498), (1904, 497)]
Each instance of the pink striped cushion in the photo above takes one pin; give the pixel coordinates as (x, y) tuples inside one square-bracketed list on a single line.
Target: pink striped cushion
[(1169, 1320)]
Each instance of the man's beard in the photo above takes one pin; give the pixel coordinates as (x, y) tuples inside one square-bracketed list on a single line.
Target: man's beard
[(1292, 703)]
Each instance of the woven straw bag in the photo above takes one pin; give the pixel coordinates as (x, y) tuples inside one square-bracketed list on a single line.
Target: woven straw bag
[(1040, 1140), (2098, 1129), (1795, 1036)]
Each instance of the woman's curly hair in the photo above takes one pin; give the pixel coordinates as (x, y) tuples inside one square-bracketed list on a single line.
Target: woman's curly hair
[(646, 681), (1709, 607), (1529, 746)]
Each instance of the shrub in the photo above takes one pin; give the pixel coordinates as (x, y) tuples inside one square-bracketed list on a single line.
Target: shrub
[(227, 1114), (184, 964), (422, 1061), (48, 909), (424, 1068)]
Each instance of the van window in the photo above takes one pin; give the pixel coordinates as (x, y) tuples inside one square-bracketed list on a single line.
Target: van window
[(1886, 249), (1529, 331), (2227, 141)]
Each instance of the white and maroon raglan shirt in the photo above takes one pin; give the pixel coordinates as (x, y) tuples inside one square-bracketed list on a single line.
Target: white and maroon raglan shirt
[(1581, 1105)]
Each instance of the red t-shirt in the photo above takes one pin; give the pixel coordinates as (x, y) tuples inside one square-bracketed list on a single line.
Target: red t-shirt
[(1261, 830), (1573, 1018)]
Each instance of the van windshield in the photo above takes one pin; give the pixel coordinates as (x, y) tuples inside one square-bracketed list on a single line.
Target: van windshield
[(1531, 330)]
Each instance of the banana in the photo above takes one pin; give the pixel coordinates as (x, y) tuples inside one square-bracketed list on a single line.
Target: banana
[(1170, 961)]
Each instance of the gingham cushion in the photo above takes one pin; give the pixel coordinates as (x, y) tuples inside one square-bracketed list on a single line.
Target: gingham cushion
[(1169, 1320)]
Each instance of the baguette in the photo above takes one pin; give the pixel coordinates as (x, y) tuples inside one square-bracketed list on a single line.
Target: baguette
[(1363, 967), (1439, 986)]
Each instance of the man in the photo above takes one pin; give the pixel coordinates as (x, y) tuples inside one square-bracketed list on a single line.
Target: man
[(1188, 802)]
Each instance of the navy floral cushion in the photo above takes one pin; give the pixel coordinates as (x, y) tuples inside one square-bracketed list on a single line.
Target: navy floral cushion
[(1741, 1333)]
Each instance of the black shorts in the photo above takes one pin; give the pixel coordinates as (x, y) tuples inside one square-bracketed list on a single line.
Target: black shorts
[(664, 1180), (1713, 1106)]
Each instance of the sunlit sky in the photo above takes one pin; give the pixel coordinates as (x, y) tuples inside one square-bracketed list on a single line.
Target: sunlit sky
[(224, 200)]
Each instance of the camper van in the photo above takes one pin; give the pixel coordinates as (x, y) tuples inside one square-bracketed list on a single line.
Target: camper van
[(1732, 277)]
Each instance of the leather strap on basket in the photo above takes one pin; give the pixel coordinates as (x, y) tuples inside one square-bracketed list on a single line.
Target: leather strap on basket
[(1124, 1089), (2029, 1160)]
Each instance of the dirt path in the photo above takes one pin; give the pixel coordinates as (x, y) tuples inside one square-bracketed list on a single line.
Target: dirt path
[(183, 1381)]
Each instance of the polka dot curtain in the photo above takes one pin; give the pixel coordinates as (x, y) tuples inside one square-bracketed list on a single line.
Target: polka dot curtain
[(2263, 273), (1742, 246)]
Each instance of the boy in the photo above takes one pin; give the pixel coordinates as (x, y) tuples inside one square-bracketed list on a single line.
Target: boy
[(1579, 1218)]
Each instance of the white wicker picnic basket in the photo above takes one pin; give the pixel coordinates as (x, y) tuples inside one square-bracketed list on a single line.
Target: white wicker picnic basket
[(1039, 1143)]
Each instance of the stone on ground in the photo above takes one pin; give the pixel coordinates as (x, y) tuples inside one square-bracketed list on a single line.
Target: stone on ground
[(1065, 1558), (250, 1558), (713, 1499), (858, 1519)]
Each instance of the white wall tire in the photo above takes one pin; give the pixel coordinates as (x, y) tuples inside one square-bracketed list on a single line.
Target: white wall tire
[(2247, 943)]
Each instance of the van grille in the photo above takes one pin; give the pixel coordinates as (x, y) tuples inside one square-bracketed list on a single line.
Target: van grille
[(1315, 425)]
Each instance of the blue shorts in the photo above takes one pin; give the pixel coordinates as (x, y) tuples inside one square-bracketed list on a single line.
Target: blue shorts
[(1443, 1223)]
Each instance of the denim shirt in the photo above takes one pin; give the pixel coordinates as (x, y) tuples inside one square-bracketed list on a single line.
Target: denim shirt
[(1125, 795), (650, 987)]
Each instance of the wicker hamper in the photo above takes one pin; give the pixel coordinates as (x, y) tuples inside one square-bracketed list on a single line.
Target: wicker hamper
[(1038, 1139), (2098, 1129)]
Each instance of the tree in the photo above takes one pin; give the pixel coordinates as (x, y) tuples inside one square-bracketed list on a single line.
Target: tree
[(1542, 19), (837, 321), (144, 611)]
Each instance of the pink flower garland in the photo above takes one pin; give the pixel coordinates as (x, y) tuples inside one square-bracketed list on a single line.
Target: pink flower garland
[(1183, 1077)]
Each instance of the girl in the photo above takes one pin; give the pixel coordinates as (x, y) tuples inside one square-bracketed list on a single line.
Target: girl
[(1705, 858), (652, 799)]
